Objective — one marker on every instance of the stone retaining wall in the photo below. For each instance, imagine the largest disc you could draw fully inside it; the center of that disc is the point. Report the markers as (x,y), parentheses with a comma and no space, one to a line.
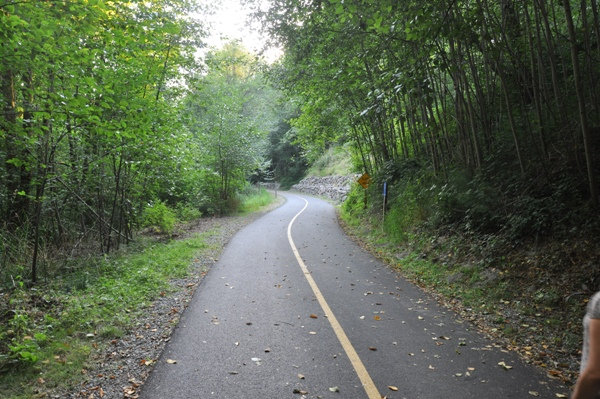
(332,187)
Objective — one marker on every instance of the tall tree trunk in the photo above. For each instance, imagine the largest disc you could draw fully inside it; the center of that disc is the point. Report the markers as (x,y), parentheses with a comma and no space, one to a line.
(511,121)
(585,131)
(534,85)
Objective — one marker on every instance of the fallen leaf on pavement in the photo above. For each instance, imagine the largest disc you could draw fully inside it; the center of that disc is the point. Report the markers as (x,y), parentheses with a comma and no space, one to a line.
(504,365)
(171,361)
(301,376)
(534,393)
(314,316)
(372,348)
(392,388)
(147,362)
(334,389)
(377,317)
(300,391)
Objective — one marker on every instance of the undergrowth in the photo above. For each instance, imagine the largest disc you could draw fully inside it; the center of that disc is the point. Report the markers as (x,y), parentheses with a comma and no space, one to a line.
(252,199)
(515,256)
(335,161)
(48,332)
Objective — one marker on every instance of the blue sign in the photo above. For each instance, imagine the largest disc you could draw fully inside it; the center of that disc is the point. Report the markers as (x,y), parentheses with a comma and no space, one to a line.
(385,189)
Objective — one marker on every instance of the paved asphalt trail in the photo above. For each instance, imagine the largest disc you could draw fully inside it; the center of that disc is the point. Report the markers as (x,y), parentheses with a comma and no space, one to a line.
(248,332)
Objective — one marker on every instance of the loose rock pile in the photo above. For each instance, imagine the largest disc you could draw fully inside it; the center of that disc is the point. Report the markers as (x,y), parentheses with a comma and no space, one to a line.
(332,187)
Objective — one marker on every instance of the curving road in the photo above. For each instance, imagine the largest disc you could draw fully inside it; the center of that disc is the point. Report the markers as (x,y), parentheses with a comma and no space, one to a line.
(296,309)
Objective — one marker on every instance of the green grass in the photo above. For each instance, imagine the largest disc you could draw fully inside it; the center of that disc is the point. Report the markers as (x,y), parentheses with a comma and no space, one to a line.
(254,200)
(48,333)
(53,329)
(335,161)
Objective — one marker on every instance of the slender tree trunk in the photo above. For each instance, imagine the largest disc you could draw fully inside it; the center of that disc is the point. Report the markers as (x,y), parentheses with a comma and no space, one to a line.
(534,85)
(585,131)
(513,128)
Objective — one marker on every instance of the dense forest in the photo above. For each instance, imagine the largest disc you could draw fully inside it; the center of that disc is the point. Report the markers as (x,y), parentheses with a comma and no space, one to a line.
(109,119)
(483,118)
(505,93)
(112,121)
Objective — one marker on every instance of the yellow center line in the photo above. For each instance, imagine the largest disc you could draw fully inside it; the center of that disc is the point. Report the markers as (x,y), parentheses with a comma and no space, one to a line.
(358,365)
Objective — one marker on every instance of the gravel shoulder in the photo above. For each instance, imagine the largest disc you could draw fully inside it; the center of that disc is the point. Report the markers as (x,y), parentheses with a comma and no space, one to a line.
(119,368)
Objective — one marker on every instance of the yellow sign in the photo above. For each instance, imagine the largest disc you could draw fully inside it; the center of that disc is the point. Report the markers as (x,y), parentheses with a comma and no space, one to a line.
(364,180)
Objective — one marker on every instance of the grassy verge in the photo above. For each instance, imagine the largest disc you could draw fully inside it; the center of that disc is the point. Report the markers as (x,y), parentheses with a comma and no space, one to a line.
(254,199)
(48,333)
(517,304)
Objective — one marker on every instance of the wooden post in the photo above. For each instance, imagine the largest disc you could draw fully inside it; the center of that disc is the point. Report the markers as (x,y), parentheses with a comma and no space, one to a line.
(384,204)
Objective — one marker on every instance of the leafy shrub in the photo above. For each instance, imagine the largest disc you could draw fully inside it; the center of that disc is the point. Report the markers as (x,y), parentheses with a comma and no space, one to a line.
(26,351)
(404,214)
(398,171)
(228,206)
(159,217)
(354,205)
(286,182)
(185,212)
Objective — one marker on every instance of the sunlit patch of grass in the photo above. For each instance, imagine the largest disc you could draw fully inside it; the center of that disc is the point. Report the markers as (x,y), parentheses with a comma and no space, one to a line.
(255,200)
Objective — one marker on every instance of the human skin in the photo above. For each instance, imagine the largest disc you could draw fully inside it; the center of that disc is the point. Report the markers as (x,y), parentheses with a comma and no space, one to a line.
(588,383)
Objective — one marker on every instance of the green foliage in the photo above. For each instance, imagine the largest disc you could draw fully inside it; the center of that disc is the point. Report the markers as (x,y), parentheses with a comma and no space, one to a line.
(251,200)
(14,247)
(58,324)
(85,144)
(230,112)
(26,351)
(477,98)
(355,204)
(484,205)
(335,161)
(160,217)
(186,212)
(287,161)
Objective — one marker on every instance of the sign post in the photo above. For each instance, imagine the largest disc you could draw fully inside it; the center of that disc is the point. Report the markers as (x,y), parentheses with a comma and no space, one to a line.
(384,202)
(364,181)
